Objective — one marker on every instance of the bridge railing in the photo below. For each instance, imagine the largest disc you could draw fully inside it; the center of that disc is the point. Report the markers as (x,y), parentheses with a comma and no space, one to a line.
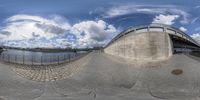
(152,28)
(39,60)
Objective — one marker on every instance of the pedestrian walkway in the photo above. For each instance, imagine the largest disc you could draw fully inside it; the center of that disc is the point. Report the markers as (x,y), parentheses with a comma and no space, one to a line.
(99,76)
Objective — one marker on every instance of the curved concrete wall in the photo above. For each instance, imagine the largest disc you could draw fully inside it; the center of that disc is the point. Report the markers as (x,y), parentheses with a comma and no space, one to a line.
(142,46)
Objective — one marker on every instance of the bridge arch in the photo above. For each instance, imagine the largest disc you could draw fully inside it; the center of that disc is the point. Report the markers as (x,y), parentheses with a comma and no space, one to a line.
(151,42)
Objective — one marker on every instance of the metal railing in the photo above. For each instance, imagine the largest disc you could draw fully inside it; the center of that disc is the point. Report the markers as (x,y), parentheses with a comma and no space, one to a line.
(39,60)
(148,27)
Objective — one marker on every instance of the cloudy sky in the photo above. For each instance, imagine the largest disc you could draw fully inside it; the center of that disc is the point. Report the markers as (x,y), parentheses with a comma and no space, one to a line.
(88,23)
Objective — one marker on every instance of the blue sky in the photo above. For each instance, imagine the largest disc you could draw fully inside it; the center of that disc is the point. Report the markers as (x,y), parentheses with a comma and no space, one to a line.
(88,23)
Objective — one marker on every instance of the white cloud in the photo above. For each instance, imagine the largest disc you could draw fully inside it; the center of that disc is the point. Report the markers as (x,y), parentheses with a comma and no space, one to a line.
(128,9)
(183,29)
(196,37)
(37,31)
(194,20)
(23,26)
(92,32)
(120,10)
(165,19)
(196,7)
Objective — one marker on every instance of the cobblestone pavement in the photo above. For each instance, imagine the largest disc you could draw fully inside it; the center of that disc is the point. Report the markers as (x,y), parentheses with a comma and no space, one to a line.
(99,76)
(51,72)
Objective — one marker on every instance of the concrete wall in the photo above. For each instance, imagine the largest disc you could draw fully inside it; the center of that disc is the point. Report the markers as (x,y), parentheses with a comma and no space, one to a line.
(142,46)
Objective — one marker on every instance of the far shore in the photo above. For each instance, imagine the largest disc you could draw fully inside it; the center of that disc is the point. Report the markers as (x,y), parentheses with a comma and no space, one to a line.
(53,49)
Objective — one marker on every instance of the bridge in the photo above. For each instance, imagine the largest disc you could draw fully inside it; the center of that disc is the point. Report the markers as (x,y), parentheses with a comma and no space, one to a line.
(151,42)
(109,75)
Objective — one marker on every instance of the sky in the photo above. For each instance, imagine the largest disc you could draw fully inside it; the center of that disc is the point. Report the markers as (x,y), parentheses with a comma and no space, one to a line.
(88,23)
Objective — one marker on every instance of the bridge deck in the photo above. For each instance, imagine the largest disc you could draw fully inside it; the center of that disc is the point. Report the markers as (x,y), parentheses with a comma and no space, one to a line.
(106,77)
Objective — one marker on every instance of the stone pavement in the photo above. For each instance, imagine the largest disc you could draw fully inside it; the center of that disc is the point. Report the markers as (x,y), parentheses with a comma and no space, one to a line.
(99,76)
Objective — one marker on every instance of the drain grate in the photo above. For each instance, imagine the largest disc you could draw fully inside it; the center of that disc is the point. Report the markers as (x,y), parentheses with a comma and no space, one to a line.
(177,72)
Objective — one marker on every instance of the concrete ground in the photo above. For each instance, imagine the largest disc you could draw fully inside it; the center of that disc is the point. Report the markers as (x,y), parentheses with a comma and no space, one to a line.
(99,76)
